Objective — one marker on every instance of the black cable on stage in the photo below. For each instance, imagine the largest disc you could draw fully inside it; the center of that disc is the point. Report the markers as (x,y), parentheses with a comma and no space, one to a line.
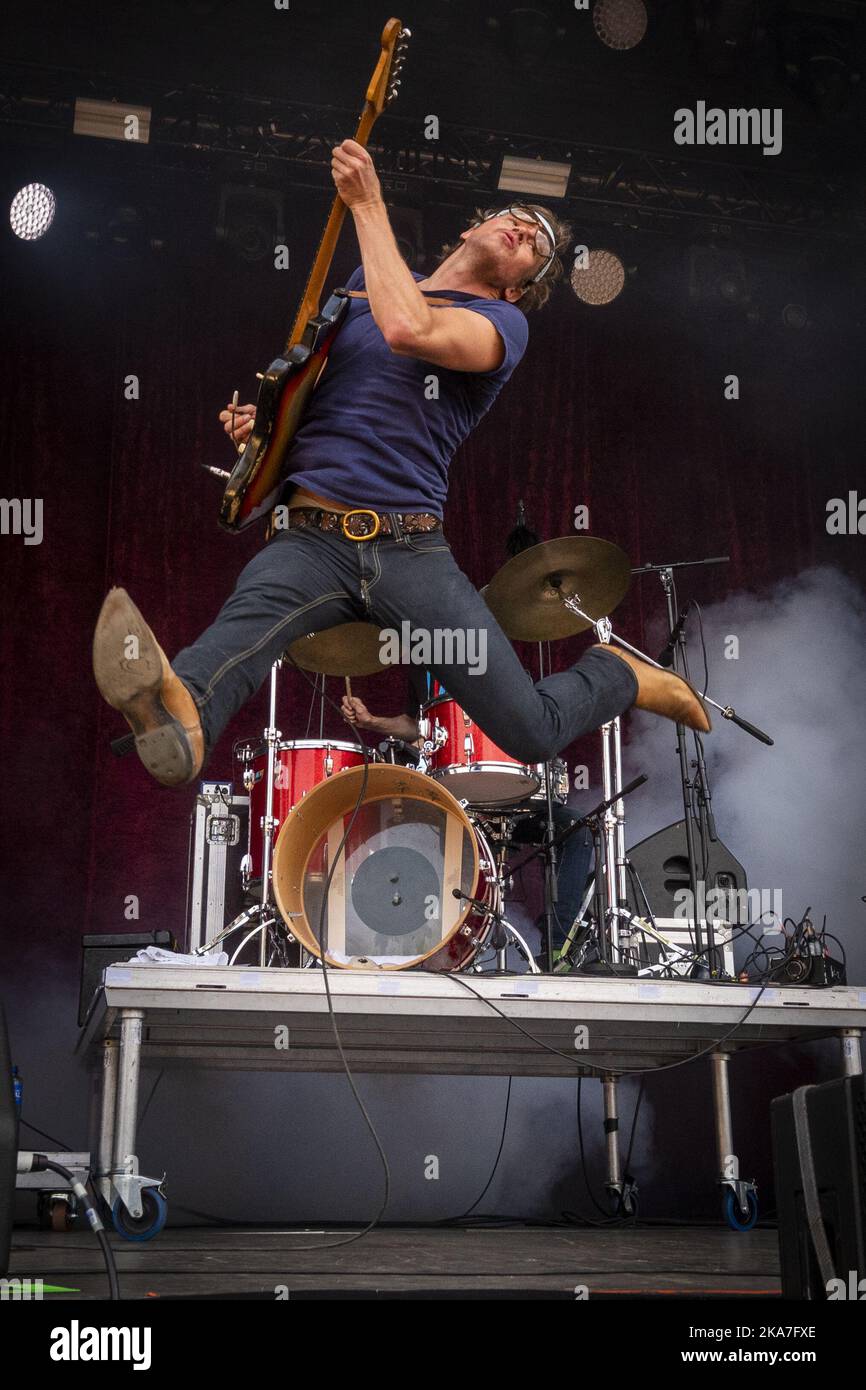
(612,1071)
(637,1106)
(448,1219)
(40,1163)
(61,1147)
(592,1197)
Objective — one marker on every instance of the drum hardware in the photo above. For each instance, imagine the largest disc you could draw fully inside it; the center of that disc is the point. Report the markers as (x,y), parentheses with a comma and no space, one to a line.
(603,931)
(268,923)
(503,935)
(391,747)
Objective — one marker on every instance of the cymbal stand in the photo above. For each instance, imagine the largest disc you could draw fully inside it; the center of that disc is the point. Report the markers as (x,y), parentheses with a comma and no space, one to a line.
(551,877)
(615,887)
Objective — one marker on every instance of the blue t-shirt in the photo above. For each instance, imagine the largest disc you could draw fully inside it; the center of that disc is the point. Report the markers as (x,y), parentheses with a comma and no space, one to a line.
(370,436)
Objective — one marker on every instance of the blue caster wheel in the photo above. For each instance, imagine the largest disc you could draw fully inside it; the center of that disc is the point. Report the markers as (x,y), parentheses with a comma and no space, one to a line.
(732,1214)
(146,1226)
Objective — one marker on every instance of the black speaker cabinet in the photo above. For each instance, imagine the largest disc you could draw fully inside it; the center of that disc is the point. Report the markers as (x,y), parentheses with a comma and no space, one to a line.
(8,1146)
(836,1113)
(662,865)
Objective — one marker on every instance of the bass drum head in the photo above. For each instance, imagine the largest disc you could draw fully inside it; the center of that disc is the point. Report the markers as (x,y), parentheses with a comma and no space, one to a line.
(390,904)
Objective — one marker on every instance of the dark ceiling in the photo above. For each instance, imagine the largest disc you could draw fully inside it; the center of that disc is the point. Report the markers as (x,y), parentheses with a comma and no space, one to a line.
(536,67)
(531,78)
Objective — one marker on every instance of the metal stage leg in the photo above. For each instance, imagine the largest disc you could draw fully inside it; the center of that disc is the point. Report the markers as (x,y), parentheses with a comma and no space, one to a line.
(102,1149)
(611,1134)
(741,1208)
(125,1163)
(722,1111)
(852,1060)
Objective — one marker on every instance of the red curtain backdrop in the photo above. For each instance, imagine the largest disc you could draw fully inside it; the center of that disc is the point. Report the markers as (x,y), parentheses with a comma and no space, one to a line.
(620,409)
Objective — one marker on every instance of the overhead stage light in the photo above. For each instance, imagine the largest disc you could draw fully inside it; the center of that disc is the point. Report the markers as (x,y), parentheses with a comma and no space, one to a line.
(620,24)
(32,211)
(112,120)
(543,177)
(601,279)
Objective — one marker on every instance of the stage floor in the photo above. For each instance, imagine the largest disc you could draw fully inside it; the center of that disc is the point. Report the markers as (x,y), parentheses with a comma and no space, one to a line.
(668,1262)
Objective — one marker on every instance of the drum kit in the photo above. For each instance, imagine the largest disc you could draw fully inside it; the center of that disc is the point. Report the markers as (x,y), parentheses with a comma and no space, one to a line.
(397,857)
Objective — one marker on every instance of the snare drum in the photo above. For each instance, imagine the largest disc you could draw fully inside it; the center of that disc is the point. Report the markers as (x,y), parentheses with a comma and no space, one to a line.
(470,764)
(301,764)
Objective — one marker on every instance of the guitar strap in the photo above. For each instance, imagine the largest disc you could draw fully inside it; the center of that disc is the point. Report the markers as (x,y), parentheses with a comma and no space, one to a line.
(361,294)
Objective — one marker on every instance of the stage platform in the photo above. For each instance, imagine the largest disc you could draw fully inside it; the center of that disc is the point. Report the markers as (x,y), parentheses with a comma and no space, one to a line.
(668,1263)
(463,1024)
(415,1022)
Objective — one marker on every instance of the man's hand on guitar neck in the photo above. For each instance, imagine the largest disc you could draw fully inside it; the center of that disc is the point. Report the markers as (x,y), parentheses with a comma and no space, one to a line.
(238,422)
(354,174)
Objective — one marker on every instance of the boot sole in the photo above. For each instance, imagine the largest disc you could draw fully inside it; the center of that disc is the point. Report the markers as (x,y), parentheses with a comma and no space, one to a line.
(133,685)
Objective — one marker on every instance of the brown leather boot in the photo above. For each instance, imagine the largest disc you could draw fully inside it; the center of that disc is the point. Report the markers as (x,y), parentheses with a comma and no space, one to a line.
(664,692)
(134,676)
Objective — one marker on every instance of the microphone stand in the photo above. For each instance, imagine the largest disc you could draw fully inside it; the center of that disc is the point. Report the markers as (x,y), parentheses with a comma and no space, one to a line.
(706,828)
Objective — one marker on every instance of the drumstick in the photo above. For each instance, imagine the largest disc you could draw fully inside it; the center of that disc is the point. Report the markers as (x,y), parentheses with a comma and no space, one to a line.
(235,398)
(348,686)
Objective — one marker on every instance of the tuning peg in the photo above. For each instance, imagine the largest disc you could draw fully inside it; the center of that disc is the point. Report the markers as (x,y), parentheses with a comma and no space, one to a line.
(405,34)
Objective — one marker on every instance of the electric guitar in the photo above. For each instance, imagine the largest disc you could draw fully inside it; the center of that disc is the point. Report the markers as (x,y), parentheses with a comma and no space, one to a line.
(286,386)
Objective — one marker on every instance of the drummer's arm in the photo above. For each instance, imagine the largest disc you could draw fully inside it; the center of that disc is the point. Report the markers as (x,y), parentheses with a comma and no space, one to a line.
(398,726)
(401,726)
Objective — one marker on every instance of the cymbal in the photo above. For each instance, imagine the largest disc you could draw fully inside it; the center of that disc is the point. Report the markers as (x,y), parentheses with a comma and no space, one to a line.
(524,595)
(349,649)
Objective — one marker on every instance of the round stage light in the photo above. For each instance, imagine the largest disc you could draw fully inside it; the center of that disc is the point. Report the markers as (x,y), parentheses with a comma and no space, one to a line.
(32,211)
(601,280)
(620,24)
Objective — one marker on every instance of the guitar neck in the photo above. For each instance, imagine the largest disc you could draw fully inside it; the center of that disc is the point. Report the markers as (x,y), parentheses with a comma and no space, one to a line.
(312,296)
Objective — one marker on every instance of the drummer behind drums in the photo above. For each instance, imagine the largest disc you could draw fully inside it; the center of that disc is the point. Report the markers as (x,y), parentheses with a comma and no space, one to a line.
(575,856)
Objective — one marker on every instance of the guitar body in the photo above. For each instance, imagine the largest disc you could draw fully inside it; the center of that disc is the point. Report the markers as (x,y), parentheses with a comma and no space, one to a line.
(285,390)
(287,385)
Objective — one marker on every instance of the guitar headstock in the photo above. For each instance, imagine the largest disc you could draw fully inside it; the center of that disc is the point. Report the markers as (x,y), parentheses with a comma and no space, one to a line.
(386,79)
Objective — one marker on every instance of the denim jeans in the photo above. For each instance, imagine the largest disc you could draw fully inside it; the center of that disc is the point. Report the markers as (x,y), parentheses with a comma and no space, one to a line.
(306,580)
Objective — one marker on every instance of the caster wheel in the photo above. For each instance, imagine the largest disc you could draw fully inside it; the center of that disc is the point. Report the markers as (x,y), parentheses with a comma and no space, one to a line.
(732,1214)
(61,1215)
(146,1226)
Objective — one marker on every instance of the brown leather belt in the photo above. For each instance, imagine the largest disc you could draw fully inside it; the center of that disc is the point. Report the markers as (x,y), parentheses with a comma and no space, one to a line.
(362,523)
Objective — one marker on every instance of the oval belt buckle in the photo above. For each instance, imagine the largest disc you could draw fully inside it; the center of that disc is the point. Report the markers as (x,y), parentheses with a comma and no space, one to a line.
(361,511)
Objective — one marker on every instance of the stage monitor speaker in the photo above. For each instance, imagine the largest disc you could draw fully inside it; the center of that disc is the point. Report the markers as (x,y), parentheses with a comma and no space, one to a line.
(8,1146)
(662,864)
(836,1112)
